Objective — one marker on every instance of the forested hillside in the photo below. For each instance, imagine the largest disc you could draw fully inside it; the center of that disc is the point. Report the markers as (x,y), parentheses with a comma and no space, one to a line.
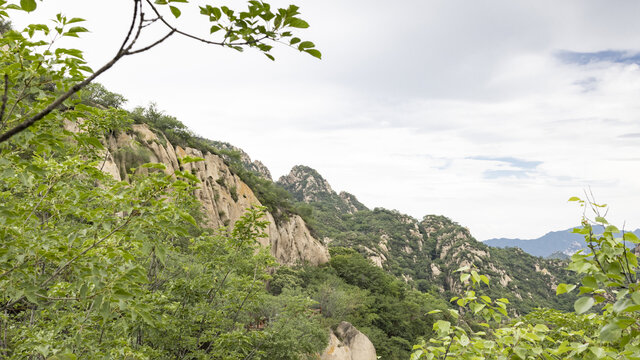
(425,253)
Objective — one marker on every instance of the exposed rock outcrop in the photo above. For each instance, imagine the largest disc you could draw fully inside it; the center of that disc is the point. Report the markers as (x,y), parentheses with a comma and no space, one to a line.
(224,196)
(347,343)
(352,202)
(305,184)
(254,166)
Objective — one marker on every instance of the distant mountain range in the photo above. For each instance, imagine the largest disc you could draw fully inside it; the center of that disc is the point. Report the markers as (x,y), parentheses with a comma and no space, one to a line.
(555,244)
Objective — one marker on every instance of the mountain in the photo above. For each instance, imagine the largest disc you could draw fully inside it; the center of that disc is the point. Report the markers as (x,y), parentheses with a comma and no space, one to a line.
(223,194)
(554,244)
(424,253)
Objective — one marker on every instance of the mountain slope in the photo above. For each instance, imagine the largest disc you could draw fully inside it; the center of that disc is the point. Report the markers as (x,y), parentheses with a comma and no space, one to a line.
(224,196)
(425,253)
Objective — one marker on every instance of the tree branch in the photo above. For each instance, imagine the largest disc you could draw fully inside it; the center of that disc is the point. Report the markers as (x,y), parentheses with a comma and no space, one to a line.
(4,97)
(194,37)
(77,87)
(152,45)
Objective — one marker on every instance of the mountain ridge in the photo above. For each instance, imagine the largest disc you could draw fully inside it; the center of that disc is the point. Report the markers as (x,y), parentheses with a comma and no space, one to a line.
(424,253)
(556,243)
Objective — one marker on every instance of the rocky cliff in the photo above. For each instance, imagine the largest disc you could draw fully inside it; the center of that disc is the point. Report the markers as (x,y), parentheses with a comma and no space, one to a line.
(223,195)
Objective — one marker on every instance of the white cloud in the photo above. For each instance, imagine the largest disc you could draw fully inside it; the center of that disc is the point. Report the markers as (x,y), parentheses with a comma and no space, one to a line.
(408,94)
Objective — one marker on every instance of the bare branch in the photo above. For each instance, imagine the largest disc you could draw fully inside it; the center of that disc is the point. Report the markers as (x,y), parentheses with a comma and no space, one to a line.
(152,45)
(136,5)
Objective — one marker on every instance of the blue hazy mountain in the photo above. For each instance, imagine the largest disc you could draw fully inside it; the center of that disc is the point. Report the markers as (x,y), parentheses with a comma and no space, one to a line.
(556,243)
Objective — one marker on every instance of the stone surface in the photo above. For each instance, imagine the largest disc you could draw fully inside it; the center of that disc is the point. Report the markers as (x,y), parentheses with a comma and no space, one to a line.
(224,196)
(348,343)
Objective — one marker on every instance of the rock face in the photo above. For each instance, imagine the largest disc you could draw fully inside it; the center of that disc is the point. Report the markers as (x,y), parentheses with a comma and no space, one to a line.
(348,344)
(305,184)
(255,166)
(223,195)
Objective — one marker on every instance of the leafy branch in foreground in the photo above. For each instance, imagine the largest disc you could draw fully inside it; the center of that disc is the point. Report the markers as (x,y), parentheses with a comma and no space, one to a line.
(605,324)
(253,28)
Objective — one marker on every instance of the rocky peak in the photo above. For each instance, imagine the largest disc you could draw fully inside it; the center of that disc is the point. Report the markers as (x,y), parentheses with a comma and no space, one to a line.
(306,184)
(352,202)
(254,166)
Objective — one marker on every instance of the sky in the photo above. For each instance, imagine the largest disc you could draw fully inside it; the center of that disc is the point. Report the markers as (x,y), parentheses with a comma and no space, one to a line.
(492,113)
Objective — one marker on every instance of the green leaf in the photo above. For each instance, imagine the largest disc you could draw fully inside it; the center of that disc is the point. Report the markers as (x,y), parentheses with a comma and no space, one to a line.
(28,5)
(574,198)
(598,352)
(189,159)
(629,236)
(601,220)
(122,294)
(187,217)
(442,327)
(484,278)
(590,281)
(464,340)
(159,166)
(75,20)
(298,23)
(305,45)
(175,11)
(77,29)
(270,56)
(317,54)
(610,332)
(564,288)
(583,304)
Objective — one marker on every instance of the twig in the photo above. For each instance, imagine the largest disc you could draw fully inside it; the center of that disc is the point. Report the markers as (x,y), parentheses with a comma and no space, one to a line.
(40,201)
(4,97)
(173,28)
(152,45)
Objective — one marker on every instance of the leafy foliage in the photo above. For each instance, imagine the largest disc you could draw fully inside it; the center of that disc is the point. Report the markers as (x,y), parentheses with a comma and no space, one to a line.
(69,72)
(350,288)
(425,253)
(91,267)
(603,326)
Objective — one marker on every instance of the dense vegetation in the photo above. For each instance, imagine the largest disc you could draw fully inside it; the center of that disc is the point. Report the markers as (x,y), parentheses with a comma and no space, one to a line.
(350,288)
(426,253)
(96,268)
(605,323)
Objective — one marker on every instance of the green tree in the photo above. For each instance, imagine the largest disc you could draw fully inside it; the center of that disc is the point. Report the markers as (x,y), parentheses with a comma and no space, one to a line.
(91,267)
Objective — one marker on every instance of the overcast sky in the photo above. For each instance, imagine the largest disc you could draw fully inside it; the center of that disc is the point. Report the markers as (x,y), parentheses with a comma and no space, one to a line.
(492,113)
